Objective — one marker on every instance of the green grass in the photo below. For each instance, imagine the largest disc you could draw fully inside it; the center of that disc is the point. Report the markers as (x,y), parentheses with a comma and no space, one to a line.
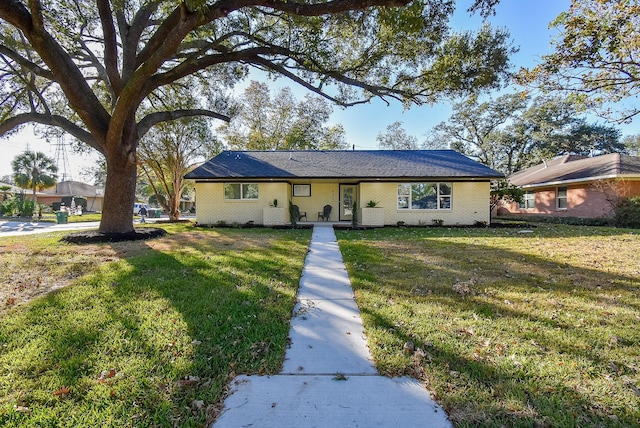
(511,329)
(152,333)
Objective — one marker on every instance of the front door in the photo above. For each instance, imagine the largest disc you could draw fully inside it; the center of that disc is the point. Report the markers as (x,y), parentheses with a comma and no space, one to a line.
(347,198)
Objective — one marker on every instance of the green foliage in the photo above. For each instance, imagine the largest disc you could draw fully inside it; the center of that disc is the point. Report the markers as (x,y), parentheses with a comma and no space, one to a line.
(594,57)
(515,131)
(9,206)
(282,122)
(546,219)
(34,171)
(632,144)
(169,151)
(372,204)
(25,207)
(354,215)
(503,191)
(627,213)
(396,138)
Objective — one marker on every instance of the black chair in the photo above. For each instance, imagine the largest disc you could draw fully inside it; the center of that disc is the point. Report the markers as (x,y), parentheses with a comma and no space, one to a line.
(299,214)
(325,214)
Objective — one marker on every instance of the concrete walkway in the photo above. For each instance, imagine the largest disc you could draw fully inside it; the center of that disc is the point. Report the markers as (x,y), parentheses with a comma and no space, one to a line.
(328,378)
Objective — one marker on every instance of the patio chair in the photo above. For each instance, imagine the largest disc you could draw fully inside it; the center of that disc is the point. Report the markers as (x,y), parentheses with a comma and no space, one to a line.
(299,214)
(325,214)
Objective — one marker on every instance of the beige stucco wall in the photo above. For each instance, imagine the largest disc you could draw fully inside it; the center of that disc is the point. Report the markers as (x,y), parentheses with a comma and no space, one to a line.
(470,203)
(213,208)
(321,194)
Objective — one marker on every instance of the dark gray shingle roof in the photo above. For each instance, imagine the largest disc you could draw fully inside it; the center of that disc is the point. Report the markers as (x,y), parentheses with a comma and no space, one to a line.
(385,164)
(578,168)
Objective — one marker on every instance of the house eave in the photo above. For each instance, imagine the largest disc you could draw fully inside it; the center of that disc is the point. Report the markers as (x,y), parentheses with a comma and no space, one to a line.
(580,180)
(341,179)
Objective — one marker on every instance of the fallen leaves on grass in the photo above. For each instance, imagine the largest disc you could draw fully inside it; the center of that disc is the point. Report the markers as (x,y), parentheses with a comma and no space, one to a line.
(62,392)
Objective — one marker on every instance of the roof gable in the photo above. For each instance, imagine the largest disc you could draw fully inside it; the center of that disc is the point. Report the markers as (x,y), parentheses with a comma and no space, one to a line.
(362,164)
(74,188)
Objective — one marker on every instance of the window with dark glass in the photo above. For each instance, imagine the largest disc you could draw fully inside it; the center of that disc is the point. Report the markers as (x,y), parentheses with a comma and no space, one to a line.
(241,191)
(424,196)
(561,198)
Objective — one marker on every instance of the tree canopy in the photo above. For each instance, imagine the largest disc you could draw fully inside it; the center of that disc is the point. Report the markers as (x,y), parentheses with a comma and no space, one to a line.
(515,131)
(397,138)
(169,151)
(102,70)
(595,57)
(281,122)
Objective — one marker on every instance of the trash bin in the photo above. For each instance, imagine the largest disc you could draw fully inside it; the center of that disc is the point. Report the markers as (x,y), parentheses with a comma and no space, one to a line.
(63,217)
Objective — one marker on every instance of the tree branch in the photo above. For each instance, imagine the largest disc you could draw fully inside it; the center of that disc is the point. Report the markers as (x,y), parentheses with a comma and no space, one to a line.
(25,63)
(51,120)
(164,116)
(314,9)
(110,46)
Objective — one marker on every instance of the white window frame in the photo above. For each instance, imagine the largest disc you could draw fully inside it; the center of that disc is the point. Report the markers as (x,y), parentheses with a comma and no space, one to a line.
(562,198)
(528,200)
(243,191)
(408,191)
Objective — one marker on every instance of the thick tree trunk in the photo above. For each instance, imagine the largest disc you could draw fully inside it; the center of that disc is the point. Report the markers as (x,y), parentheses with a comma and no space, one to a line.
(119,193)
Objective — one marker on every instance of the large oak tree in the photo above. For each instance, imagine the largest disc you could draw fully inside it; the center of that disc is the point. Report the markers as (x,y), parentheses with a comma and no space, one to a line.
(100,69)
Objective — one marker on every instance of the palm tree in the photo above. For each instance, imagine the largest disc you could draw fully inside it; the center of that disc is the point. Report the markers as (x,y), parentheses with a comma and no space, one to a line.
(35,171)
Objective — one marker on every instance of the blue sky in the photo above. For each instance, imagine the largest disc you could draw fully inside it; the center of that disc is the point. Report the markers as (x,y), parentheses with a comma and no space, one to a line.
(526,20)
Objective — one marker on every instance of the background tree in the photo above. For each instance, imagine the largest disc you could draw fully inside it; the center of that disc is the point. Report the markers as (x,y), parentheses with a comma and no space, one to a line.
(595,57)
(396,138)
(474,129)
(96,174)
(34,171)
(632,144)
(281,122)
(514,132)
(168,152)
(99,70)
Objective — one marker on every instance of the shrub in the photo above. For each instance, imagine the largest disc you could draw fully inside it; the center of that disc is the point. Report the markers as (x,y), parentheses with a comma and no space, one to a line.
(354,216)
(627,213)
(25,207)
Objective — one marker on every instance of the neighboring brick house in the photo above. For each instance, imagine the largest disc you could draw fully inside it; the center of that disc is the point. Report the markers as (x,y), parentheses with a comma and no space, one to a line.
(410,186)
(576,186)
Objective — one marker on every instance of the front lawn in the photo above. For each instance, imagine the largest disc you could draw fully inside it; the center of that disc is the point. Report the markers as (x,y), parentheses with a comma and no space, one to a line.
(144,333)
(507,327)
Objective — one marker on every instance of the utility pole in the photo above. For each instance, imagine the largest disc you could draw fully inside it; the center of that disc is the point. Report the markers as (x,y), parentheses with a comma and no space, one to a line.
(62,160)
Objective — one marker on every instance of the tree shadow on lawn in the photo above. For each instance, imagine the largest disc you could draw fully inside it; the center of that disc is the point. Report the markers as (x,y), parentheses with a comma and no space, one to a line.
(512,337)
(153,339)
